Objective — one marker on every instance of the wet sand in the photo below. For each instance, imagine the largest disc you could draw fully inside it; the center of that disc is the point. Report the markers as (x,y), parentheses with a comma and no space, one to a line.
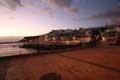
(81,64)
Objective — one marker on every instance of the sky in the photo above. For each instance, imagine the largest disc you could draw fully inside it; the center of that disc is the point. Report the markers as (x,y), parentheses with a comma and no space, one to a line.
(36,17)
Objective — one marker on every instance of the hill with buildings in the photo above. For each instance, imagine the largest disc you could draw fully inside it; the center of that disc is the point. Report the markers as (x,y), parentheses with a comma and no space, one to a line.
(108,34)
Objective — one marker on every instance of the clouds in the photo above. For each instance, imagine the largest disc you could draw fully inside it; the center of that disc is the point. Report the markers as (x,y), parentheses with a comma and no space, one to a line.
(66,5)
(34,6)
(11,4)
(107,14)
(70,10)
(61,3)
(112,15)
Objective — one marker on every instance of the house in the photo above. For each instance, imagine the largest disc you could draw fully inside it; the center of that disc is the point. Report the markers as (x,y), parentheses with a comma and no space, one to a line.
(60,37)
(69,36)
(111,33)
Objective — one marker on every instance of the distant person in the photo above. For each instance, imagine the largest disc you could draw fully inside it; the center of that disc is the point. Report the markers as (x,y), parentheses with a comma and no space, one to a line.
(93,41)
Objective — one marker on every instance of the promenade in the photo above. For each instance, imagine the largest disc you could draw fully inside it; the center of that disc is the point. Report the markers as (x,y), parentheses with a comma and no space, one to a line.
(81,64)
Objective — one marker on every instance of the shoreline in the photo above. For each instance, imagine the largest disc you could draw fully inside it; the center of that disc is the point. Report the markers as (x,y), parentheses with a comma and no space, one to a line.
(45,52)
(42,52)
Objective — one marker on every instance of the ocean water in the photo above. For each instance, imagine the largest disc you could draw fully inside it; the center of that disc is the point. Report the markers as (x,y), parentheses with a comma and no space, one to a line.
(14,49)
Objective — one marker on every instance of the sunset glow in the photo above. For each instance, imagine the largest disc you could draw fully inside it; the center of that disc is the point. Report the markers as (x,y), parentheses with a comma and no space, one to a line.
(35,17)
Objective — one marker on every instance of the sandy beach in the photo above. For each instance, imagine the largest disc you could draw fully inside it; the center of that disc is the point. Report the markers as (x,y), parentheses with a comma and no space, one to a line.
(80,64)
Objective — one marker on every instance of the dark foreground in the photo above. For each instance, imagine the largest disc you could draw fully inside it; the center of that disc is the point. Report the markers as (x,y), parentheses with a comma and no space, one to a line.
(82,64)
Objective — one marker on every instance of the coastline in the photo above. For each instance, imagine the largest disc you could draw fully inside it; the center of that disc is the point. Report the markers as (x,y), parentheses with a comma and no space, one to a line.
(45,52)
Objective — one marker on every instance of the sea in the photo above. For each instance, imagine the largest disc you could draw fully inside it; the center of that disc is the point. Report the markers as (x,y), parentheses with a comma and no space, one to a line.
(12,49)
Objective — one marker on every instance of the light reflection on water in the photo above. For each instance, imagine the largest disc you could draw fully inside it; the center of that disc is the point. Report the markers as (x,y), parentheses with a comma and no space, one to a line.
(14,49)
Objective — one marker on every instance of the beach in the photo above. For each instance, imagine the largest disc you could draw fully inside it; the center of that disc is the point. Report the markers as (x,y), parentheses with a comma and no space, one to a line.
(13,49)
(78,64)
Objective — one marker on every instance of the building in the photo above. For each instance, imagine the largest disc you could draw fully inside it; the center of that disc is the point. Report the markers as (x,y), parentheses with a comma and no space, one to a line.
(105,34)
(111,33)
(60,37)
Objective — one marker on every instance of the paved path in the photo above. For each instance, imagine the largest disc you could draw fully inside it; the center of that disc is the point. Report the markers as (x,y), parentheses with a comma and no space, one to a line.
(86,64)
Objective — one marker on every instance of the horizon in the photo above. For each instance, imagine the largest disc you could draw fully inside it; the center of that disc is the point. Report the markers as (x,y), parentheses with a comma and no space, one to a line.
(30,18)
(10,39)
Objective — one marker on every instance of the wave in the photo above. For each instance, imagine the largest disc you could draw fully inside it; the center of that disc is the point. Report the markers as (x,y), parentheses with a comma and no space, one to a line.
(14,49)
